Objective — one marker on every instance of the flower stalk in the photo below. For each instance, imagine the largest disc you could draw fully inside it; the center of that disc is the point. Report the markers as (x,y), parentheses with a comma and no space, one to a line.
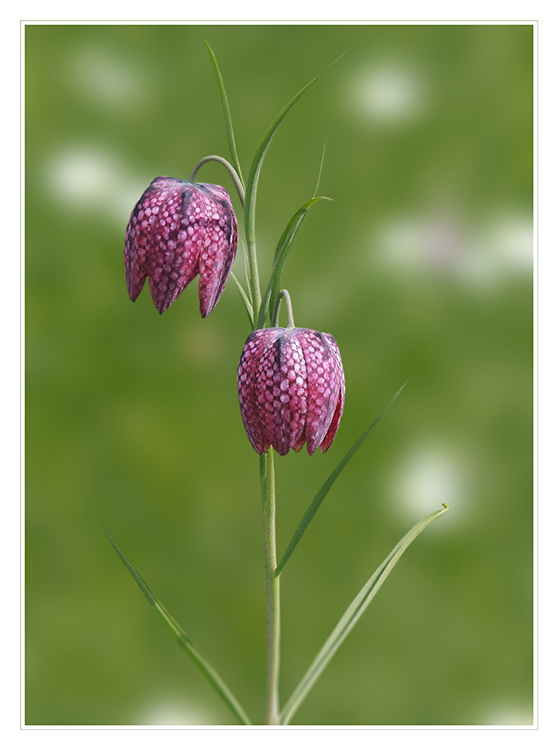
(290,320)
(229,167)
(267,478)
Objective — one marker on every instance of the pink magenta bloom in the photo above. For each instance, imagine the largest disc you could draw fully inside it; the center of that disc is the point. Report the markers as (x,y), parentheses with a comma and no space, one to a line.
(291,389)
(176,231)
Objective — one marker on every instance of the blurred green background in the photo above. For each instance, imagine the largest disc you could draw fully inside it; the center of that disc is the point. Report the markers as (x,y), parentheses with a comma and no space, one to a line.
(422,270)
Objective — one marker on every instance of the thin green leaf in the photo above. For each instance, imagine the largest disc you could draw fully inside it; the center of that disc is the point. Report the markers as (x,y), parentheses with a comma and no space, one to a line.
(351,617)
(245,299)
(320,172)
(183,641)
(271,297)
(247,271)
(257,161)
(227,113)
(280,258)
(326,486)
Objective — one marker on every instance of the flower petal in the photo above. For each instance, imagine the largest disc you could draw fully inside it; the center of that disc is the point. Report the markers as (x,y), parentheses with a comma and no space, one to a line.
(218,246)
(283,370)
(323,384)
(248,392)
(301,440)
(332,431)
(137,250)
(178,227)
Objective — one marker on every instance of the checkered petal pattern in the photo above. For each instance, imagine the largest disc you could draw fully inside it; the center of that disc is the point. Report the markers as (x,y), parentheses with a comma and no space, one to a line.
(176,231)
(291,389)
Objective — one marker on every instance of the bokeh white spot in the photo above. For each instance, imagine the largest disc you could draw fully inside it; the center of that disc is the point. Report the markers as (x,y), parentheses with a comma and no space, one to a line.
(427,476)
(92,178)
(481,254)
(106,78)
(511,713)
(170,712)
(388,92)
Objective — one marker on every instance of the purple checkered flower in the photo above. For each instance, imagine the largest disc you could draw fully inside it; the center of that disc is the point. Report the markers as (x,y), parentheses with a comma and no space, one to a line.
(291,388)
(176,231)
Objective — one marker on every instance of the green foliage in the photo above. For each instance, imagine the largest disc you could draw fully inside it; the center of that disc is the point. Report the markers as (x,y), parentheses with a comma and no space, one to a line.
(351,617)
(227,114)
(271,295)
(183,640)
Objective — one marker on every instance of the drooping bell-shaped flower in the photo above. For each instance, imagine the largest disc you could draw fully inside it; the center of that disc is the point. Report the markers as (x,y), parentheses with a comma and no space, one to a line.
(176,231)
(291,388)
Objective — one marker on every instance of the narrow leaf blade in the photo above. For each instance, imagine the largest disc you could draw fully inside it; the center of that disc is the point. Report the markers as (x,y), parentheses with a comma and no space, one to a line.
(280,258)
(245,299)
(227,113)
(183,640)
(320,172)
(257,161)
(352,616)
(326,486)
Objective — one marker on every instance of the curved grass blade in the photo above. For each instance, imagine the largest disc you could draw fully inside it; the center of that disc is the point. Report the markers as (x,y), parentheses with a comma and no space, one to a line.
(245,299)
(257,161)
(282,251)
(326,486)
(270,300)
(351,617)
(320,172)
(227,113)
(252,186)
(183,641)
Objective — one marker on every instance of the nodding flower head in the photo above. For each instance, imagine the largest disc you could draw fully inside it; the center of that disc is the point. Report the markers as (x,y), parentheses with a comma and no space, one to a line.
(176,231)
(291,388)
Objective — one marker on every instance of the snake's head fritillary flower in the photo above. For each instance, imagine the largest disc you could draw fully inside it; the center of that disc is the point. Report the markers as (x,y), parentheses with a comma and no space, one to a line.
(176,231)
(291,388)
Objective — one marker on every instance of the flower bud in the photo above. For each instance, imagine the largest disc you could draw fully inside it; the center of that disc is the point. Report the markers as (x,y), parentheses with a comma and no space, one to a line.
(291,389)
(176,231)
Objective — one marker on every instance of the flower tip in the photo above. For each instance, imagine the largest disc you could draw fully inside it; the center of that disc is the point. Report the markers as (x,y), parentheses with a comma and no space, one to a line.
(160,303)
(205,309)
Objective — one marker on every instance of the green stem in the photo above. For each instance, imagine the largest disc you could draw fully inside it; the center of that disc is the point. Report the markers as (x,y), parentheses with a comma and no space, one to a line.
(230,169)
(267,479)
(254,278)
(283,294)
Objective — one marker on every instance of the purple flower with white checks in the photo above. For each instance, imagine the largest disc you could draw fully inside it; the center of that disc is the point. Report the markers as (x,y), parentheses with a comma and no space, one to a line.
(291,388)
(176,231)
